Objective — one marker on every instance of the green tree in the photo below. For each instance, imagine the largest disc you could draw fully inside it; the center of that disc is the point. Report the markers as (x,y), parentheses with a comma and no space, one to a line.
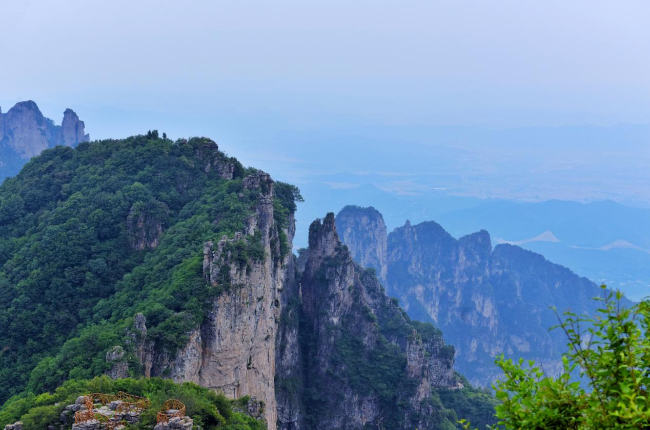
(610,352)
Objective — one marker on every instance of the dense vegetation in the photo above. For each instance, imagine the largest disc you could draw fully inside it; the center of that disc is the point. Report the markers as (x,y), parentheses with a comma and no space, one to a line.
(204,406)
(476,405)
(610,352)
(71,279)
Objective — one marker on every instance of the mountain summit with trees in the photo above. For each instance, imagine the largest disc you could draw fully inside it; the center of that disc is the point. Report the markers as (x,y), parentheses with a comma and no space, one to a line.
(146,257)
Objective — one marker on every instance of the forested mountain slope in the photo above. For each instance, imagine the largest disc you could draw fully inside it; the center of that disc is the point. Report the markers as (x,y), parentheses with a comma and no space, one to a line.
(147,257)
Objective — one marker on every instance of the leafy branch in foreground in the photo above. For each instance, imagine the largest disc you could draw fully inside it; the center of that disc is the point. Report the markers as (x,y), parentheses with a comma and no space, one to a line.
(611,354)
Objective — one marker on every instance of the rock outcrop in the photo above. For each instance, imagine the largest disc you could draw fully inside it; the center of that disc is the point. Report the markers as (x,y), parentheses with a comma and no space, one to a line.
(348,357)
(25,133)
(145,224)
(25,130)
(322,348)
(72,129)
(485,301)
(364,232)
(119,366)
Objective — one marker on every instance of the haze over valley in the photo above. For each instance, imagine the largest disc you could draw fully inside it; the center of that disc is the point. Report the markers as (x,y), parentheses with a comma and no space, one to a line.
(324,215)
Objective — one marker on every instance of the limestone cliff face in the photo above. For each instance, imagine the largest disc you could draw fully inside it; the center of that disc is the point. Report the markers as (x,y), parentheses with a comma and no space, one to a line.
(72,129)
(364,232)
(233,351)
(145,224)
(321,348)
(26,132)
(485,301)
(331,339)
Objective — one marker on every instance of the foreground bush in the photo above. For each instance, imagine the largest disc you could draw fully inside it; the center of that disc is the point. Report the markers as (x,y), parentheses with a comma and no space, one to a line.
(605,378)
(208,409)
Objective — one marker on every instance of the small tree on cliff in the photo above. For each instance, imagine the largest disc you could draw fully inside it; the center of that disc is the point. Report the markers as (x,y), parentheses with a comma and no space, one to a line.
(610,351)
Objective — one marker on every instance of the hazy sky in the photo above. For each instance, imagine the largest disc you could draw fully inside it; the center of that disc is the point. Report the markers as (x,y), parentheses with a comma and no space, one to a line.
(304,63)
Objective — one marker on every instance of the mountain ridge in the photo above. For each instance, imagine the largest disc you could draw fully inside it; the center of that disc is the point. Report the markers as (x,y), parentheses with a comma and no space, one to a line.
(25,132)
(148,257)
(486,300)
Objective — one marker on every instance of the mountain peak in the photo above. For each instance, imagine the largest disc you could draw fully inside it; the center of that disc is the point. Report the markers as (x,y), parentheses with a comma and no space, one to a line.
(363,230)
(25,132)
(323,237)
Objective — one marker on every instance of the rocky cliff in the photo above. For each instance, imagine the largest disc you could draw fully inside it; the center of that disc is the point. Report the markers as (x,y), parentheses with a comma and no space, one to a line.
(486,301)
(323,348)
(170,259)
(25,132)
(233,350)
(348,356)
(364,231)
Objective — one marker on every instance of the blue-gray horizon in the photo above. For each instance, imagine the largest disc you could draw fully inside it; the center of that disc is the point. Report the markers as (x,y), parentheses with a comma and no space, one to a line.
(297,64)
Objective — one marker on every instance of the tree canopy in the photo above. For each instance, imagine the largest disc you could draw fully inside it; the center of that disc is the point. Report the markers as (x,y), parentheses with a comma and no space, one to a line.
(604,381)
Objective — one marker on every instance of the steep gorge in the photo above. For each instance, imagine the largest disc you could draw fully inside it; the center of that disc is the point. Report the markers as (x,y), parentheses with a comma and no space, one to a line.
(176,262)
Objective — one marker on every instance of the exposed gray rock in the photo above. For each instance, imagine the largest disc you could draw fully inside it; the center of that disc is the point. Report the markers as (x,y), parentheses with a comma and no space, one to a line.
(225,168)
(145,224)
(140,323)
(176,423)
(338,305)
(253,408)
(72,129)
(364,232)
(119,368)
(233,351)
(26,132)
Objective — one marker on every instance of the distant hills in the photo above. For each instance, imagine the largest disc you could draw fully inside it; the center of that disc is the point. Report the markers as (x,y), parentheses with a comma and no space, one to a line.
(604,241)
(25,132)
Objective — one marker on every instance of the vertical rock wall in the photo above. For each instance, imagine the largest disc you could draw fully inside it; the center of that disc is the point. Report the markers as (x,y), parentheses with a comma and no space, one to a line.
(364,232)
(26,132)
(233,351)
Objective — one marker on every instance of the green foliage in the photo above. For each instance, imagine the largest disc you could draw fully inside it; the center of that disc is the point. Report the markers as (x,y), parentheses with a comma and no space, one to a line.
(71,279)
(382,371)
(473,404)
(288,195)
(284,204)
(610,352)
(208,409)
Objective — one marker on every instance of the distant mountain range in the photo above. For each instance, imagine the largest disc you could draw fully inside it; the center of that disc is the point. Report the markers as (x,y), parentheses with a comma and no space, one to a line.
(605,241)
(487,301)
(25,132)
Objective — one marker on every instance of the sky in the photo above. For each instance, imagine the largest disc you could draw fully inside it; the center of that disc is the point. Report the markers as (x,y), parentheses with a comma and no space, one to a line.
(295,63)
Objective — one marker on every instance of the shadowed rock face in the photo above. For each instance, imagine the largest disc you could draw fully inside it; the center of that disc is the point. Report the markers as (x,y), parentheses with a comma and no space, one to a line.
(25,132)
(364,232)
(337,321)
(486,301)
